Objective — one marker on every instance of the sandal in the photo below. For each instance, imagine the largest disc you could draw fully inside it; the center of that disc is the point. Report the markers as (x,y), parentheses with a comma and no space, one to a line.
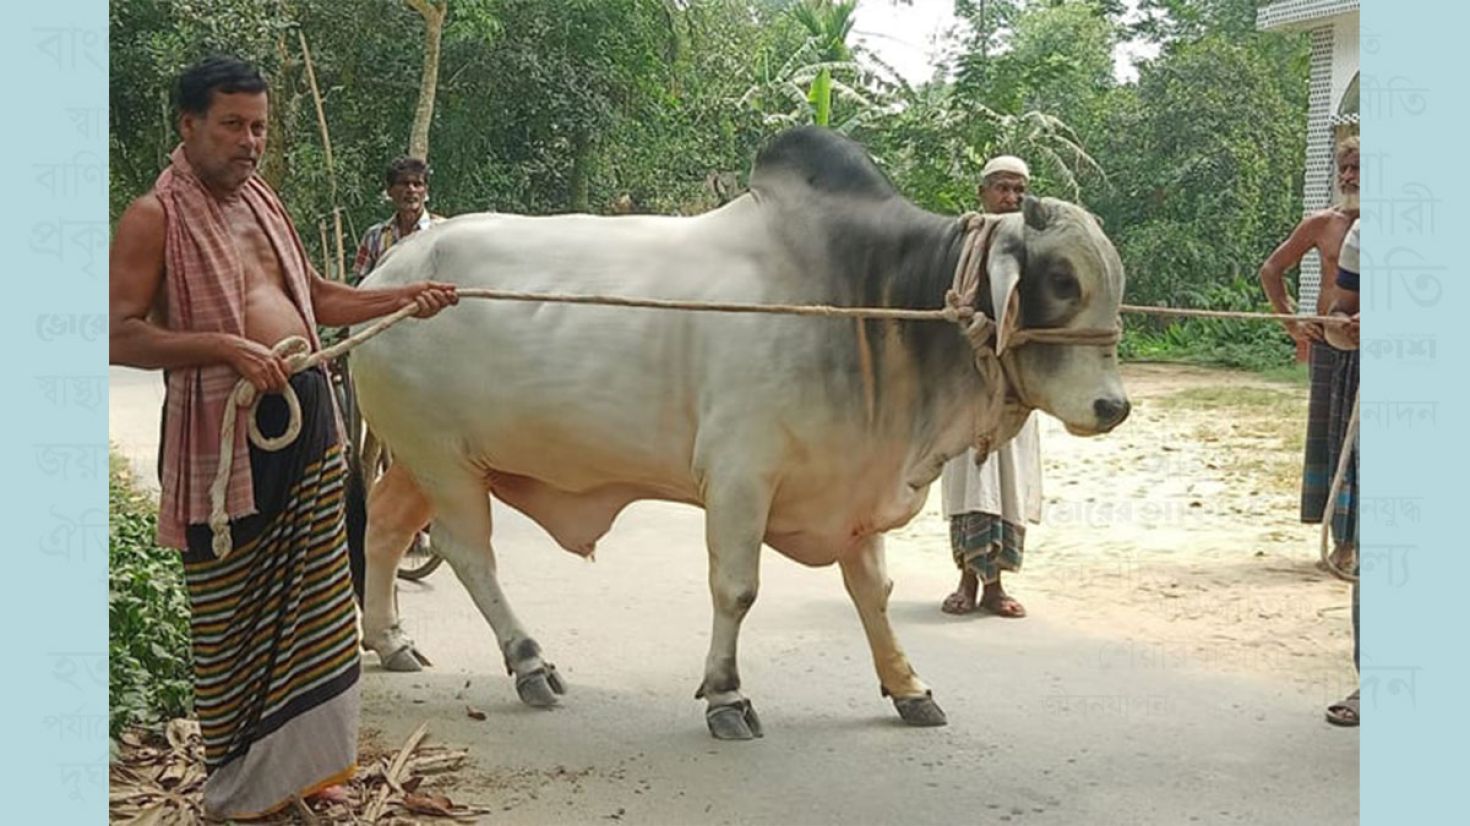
(1345,712)
(959,603)
(1003,606)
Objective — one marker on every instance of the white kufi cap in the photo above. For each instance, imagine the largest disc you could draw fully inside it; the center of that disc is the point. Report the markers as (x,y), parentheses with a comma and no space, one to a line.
(1006,163)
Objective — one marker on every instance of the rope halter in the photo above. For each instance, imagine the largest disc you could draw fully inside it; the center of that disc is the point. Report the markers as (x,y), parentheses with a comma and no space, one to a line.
(962,306)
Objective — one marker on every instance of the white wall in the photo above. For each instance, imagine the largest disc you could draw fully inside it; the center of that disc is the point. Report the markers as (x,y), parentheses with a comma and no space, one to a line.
(1345,58)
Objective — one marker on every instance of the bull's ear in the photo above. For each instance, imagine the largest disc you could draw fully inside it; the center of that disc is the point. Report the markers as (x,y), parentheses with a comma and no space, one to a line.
(1037,213)
(1004,272)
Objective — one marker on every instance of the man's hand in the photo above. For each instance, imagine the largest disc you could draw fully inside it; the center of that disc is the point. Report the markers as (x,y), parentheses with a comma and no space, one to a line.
(256,363)
(431,297)
(1344,336)
(1305,332)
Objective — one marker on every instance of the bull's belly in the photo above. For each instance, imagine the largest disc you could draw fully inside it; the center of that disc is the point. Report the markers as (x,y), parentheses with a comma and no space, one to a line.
(811,532)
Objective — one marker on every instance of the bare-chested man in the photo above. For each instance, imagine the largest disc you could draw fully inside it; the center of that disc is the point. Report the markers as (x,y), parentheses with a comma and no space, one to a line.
(207,277)
(1323,231)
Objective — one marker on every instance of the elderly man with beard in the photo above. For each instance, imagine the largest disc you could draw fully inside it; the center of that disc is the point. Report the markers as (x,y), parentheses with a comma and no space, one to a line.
(988,504)
(1330,396)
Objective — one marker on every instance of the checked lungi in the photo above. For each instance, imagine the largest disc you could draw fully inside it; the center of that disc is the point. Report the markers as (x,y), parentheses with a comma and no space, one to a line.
(1334,387)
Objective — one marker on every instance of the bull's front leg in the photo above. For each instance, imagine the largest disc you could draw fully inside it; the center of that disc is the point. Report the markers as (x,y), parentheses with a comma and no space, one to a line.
(865,575)
(462,530)
(734,527)
(396,510)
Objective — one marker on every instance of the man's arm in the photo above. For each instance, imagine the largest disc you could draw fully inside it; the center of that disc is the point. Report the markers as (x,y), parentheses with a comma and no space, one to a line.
(1289,254)
(135,265)
(338,305)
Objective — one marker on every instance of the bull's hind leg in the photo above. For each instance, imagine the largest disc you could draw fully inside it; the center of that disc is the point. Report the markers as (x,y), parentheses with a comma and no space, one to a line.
(462,537)
(734,524)
(396,510)
(864,574)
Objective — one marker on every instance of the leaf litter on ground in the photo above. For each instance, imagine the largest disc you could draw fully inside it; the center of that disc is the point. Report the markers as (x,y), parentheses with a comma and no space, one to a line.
(157,779)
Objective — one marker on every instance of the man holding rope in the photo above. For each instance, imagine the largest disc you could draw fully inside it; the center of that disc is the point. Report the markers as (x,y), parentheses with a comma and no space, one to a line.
(1329,405)
(1345,504)
(988,504)
(208,279)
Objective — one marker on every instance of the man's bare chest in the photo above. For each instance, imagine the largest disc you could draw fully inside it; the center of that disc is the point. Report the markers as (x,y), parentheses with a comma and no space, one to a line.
(262,266)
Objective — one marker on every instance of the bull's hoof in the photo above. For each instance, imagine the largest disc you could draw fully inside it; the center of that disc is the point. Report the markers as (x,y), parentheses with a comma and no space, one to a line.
(406,658)
(539,688)
(395,650)
(920,711)
(737,721)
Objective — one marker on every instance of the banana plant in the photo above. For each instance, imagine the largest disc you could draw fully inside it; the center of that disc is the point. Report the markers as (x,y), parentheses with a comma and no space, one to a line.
(828,26)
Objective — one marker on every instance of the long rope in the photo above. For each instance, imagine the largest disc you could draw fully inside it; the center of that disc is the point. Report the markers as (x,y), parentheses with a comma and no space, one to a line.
(1344,459)
(960,303)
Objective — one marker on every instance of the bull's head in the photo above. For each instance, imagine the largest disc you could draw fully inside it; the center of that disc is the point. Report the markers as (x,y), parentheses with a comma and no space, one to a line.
(1051,269)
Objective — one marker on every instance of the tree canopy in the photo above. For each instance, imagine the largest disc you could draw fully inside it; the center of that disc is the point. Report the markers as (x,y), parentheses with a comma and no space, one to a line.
(545,106)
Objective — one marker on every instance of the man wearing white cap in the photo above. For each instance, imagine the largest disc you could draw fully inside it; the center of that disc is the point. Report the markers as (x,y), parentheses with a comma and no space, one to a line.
(988,504)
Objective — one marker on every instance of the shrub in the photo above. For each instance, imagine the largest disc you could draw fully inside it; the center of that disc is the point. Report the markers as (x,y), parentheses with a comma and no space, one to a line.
(150,672)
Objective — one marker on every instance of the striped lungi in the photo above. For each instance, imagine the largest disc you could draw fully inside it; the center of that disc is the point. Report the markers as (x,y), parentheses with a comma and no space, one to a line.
(274,624)
(986,544)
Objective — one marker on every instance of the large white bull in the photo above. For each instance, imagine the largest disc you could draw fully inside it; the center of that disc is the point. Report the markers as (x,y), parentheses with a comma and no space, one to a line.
(812,436)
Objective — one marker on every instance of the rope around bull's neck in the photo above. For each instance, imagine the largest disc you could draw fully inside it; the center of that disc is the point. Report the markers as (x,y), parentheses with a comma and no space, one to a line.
(960,308)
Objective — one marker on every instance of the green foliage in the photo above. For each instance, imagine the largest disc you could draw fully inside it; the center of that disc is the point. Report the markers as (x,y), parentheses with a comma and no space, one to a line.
(546,107)
(150,676)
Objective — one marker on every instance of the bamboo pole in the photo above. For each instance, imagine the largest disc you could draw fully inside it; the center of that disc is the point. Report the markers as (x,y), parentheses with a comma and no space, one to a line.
(321,119)
(326,254)
(341,249)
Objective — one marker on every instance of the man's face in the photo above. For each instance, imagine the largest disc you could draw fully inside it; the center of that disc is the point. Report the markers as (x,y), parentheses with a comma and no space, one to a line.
(407,193)
(225,143)
(1347,179)
(1002,192)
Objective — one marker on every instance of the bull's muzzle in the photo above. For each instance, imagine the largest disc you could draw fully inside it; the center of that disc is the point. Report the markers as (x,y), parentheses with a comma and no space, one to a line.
(1110,412)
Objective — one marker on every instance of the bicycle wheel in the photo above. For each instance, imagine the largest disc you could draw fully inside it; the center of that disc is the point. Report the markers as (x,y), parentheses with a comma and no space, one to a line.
(420,561)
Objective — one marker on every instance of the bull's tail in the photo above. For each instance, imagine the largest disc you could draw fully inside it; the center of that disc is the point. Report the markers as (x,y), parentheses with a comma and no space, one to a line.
(356,493)
(357,527)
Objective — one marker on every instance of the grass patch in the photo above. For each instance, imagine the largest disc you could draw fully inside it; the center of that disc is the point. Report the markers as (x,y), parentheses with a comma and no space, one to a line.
(150,677)
(1254,401)
(1259,432)
(1294,374)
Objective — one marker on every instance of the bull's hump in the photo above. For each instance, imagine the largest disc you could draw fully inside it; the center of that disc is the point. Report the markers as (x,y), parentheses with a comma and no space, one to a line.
(820,161)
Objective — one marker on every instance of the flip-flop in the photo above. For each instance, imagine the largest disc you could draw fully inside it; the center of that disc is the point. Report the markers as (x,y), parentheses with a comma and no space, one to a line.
(1003,607)
(1344,712)
(331,794)
(958,604)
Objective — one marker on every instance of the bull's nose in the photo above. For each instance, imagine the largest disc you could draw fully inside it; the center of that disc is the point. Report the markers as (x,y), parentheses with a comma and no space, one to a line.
(1111,412)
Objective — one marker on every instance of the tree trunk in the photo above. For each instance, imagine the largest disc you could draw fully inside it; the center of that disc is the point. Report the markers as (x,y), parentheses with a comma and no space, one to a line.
(581,163)
(274,167)
(433,14)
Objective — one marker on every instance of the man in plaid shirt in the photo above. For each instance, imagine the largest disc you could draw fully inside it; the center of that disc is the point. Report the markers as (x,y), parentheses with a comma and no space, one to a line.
(408,189)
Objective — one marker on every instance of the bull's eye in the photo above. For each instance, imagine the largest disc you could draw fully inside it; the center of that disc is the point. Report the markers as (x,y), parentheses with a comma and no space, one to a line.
(1064,285)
